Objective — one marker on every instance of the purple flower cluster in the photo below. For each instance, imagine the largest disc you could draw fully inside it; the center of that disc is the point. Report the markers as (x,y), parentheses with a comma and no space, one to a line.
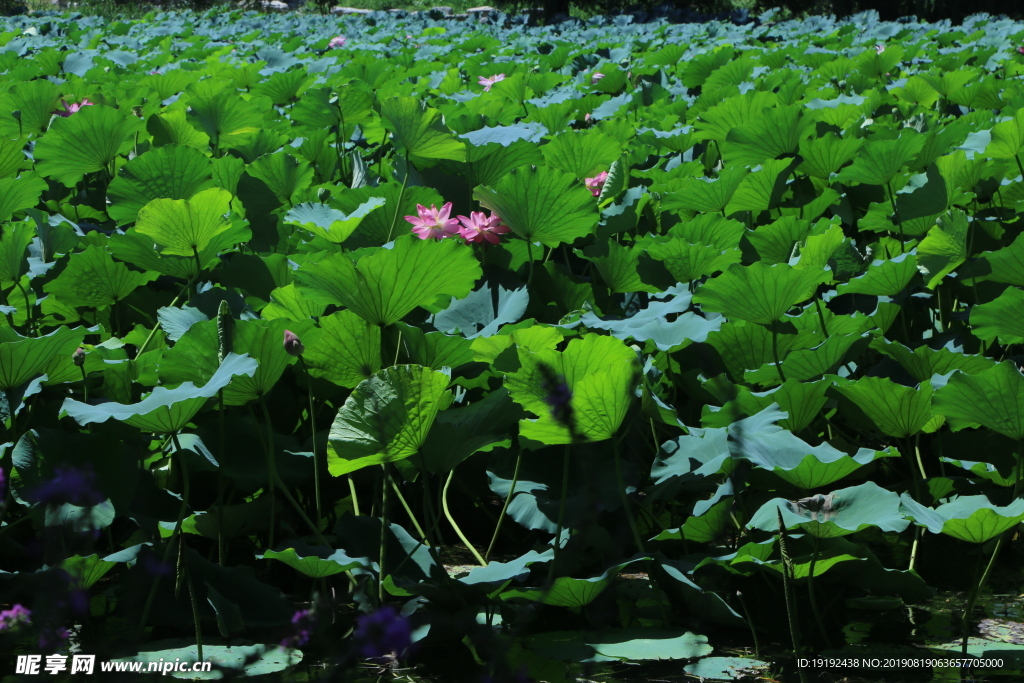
(69,485)
(303,622)
(9,618)
(383,633)
(3,485)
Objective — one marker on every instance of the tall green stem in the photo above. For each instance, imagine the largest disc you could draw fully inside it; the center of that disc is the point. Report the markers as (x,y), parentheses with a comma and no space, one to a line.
(316,458)
(401,196)
(383,532)
(271,470)
(529,255)
(451,520)
(561,514)
(775,353)
(787,578)
(504,507)
(814,597)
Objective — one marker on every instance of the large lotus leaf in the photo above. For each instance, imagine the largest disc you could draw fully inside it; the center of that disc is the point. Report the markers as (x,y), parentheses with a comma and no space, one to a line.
(763,188)
(433,349)
(569,592)
(923,363)
(173,128)
(630,644)
(688,262)
(286,176)
(944,248)
(580,153)
(801,401)
(86,571)
(502,572)
(716,122)
(1007,264)
(542,204)
(22,358)
(168,172)
(93,279)
(316,562)
(993,398)
(459,432)
(387,417)
(825,155)
(140,250)
(839,513)
(481,313)
(883,278)
(419,131)
(879,161)
(194,356)
(969,518)
(164,411)
(1007,138)
(183,226)
(35,102)
(600,373)
(347,350)
(709,195)
(651,323)
(227,119)
(794,460)
(388,284)
(709,520)
(380,227)
(619,266)
(1002,318)
(18,194)
(896,410)
(804,364)
(758,293)
(289,302)
(84,143)
(775,133)
(331,224)
(489,163)
(14,241)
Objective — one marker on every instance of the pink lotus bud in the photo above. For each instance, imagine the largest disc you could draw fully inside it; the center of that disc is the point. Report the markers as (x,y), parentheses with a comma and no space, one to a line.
(292,345)
(78,357)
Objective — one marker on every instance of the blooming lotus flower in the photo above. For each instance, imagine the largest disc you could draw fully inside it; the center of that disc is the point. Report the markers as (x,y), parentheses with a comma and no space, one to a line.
(1020,50)
(336,42)
(488,82)
(479,228)
(292,345)
(70,109)
(596,184)
(596,76)
(432,223)
(879,48)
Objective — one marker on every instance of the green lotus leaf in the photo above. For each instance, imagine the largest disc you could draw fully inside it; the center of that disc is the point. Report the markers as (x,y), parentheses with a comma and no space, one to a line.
(758,293)
(763,188)
(570,592)
(944,248)
(433,349)
(582,153)
(879,161)
(689,262)
(1007,138)
(286,177)
(86,570)
(331,224)
(1002,318)
(291,303)
(968,518)
(459,432)
(13,242)
(630,644)
(164,411)
(708,195)
(883,278)
(347,351)
(85,143)
(923,362)
(993,398)
(316,562)
(1007,264)
(542,204)
(483,312)
(801,401)
(709,520)
(173,128)
(826,155)
(386,285)
(184,226)
(387,417)
(93,279)
(420,132)
(380,227)
(600,372)
(23,358)
(168,172)
(651,324)
(34,101)
(718,121)
(18,194)
(227,119)
(619,266)
(896,410)
(775,133)
(840,513)
(140,250)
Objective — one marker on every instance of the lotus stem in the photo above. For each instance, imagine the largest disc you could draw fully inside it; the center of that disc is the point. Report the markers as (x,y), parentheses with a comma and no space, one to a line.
(775,353)
(451,520)
(814,598)
(271,470)
(316,458)
(405,506)
(787,568)
(973,597)
(561,514)
(298,508)
(401,195)
(896,215)
(352,492)
(529,255)
(383,532)
(195,612)
(821,317)
(504,507)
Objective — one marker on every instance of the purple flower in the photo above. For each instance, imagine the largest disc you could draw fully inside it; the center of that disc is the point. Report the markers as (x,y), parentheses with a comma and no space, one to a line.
(292,345)
(383,633)
(3,485)
(69,485)
(9,618)
(53,638)
(303,622)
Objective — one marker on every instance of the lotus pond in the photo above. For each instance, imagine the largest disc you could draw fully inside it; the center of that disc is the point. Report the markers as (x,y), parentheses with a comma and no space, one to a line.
(418,348)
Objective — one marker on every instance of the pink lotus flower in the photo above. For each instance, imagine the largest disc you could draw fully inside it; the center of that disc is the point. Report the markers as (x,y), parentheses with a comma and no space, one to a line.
(70,109)
(1020,50)
(432,223)
(596,184)
(596,76)
(879,48)
(478,228)
(488,82)
(336,42)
